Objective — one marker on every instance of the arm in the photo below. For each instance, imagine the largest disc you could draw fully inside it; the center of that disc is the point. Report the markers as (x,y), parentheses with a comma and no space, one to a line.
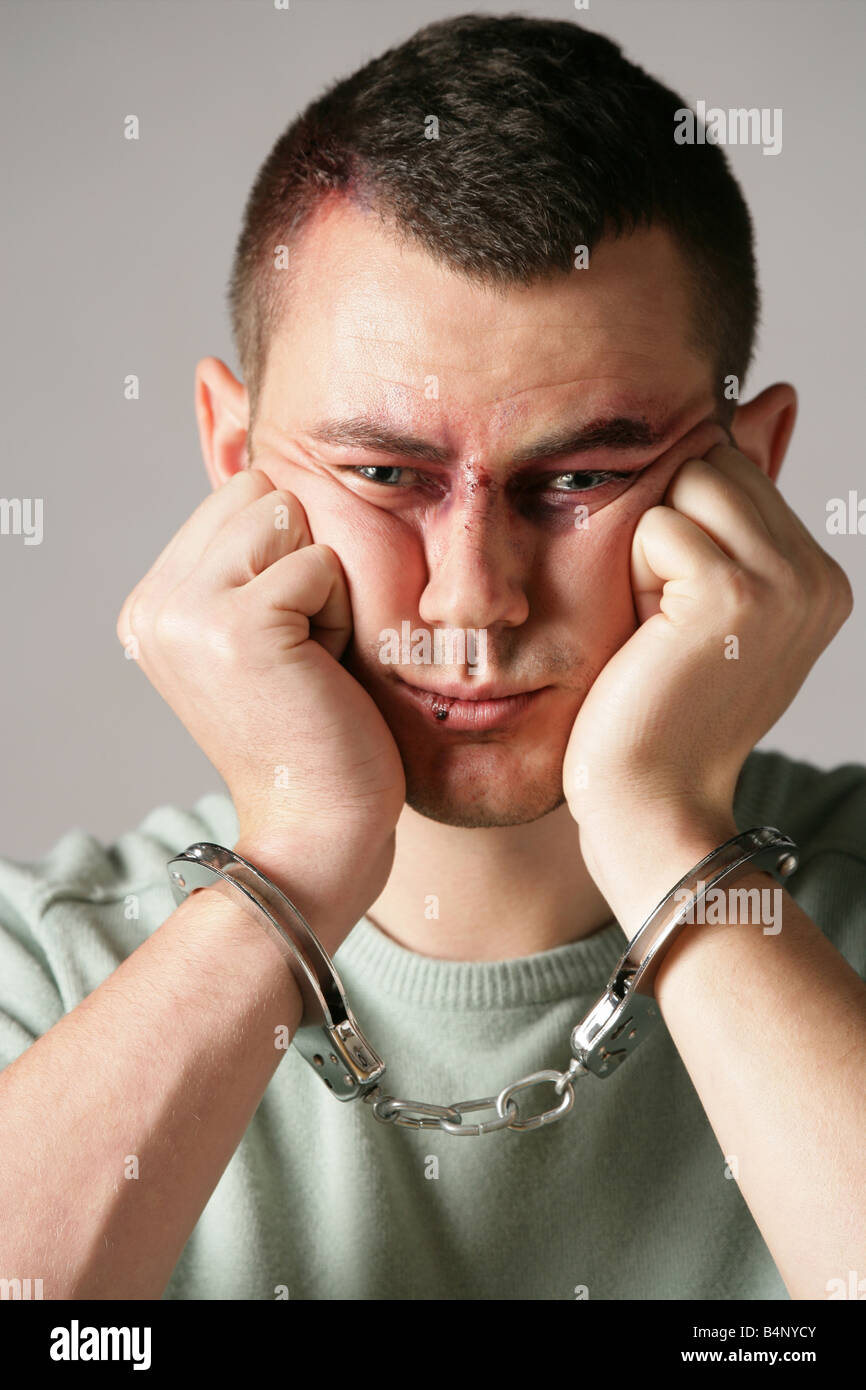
(772,1030)
(166,1061)
(240,624)
(735,601)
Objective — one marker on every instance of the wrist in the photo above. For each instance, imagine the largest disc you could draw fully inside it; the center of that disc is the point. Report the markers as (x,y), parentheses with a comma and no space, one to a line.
(636,857)
(330,885)
(238,957)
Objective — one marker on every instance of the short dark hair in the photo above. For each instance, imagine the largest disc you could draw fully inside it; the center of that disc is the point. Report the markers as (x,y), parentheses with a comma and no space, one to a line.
(548,139)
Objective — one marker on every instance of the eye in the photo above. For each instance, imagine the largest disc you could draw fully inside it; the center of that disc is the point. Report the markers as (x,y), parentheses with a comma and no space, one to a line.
(582,482)
(373,473)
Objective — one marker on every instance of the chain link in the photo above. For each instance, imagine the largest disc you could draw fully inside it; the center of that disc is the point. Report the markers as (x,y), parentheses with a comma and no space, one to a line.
(449,1118)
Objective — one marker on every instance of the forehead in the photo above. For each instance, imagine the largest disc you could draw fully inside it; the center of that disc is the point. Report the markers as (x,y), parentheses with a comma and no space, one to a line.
(370,317)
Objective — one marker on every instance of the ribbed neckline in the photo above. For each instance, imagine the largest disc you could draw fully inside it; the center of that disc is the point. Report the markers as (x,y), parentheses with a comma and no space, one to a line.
(579,967)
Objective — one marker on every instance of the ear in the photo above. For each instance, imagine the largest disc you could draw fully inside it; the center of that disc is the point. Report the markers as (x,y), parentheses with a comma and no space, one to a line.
(762,428)
(222,412)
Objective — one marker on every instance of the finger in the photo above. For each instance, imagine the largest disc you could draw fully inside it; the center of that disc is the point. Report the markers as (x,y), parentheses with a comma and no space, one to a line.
(307,595)
(695,444)
(251,540)
(782,523)
(727,514)
(675,565)
(190,542)
(180,557)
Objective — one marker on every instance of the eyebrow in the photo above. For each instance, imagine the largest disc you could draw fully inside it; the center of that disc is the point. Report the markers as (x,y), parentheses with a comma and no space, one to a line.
(620,433)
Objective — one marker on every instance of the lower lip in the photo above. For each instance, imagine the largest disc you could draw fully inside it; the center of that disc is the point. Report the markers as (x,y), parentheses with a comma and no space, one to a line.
(472,715)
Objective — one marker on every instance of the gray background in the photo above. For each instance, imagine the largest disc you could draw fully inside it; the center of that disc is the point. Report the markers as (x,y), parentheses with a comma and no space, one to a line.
(115,260)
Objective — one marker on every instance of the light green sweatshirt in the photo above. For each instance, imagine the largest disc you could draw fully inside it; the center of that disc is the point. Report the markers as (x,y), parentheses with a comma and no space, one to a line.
(626,1197)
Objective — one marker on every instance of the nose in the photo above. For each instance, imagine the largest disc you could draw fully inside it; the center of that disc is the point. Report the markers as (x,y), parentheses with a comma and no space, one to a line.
(476,563)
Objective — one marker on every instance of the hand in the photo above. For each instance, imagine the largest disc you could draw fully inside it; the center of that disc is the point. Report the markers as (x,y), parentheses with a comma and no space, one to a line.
(735,602)
(239,625)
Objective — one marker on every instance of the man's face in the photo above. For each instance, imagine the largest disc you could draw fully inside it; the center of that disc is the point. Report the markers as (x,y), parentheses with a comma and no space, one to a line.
(380,343)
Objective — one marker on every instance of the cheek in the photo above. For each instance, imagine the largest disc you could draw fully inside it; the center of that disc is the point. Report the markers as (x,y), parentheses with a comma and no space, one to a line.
(588,564)
(384,566)
(585,582)
(382,558)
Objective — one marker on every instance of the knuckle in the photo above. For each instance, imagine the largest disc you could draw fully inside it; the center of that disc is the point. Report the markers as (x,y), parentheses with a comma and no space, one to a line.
(173,626)
(743,588)
(791,581)
(180,631)
(121,627)
(841,590)
(130,623)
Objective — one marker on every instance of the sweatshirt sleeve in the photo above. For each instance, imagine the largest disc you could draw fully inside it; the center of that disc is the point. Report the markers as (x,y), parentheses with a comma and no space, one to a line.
(30,1000)
(824,811)
(69,918)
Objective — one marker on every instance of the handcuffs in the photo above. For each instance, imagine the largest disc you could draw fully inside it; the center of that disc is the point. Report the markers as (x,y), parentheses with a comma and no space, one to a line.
(330,1038)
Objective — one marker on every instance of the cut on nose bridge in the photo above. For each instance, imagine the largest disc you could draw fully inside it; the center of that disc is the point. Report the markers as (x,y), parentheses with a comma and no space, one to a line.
(477,481)
(479,497)
(474,524)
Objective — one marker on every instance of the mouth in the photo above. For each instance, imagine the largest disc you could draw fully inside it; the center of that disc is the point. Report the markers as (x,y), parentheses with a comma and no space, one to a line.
(473,709)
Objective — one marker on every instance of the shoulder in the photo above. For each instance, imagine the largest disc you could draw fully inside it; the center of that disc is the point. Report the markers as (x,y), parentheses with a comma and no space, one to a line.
(81,867)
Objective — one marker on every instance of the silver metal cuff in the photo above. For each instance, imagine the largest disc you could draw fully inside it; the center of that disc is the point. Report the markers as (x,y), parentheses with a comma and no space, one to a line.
(328,1035)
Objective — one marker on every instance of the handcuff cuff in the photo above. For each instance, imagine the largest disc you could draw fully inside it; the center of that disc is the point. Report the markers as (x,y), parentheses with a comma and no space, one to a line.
(330,1038)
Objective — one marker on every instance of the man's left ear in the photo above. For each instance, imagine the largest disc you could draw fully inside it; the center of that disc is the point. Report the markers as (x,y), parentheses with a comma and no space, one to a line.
(762,428)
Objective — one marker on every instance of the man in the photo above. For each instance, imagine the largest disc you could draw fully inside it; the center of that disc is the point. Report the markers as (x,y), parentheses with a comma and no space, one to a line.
(489,313)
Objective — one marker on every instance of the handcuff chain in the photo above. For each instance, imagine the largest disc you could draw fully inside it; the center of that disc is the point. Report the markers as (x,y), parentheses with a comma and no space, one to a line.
(389,1110)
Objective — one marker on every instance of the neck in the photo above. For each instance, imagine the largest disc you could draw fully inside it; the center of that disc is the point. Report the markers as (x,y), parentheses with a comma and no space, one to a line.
(496,894)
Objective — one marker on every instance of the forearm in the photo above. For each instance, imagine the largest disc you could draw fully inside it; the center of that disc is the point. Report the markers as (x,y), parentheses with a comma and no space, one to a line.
(118,1123)
(771,1027)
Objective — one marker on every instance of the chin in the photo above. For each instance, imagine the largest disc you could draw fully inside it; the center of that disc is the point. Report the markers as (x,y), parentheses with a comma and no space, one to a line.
(471,800)
(480,816)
